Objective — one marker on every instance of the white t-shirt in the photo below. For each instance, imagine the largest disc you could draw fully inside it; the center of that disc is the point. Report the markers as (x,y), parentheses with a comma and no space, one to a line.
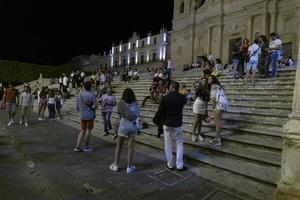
(275,44)
(65,81)
(169,66)
(255,51)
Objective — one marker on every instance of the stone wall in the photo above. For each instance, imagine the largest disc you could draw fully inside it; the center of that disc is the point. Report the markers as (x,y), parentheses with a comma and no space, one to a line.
(215,24)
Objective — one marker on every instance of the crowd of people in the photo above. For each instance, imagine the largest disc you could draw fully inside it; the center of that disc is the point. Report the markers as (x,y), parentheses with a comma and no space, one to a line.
(96,93)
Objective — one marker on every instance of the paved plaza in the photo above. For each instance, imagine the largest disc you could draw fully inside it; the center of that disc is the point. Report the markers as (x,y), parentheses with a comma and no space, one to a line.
(38,162)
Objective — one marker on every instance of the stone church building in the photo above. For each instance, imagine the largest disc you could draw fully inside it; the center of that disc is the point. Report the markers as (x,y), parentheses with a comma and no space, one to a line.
(213,26)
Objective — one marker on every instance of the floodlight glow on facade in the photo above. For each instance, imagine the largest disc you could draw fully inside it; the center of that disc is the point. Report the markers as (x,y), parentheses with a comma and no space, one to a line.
(128,58)
(136,57)
(137,44)
(129,45)
(160,53)
(148,40)
(148,56)
(165,37)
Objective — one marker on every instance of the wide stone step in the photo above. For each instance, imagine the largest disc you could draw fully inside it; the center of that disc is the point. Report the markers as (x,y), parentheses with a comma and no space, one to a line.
(222,159)
(251,186)
(248,127)
(260,99)
(239,107)
(238,119)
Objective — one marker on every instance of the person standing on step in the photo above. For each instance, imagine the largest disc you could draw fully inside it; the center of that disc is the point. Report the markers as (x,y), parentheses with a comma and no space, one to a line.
(244,57)
(169,67)
(200,110)
(275,47)
(129,112)
(11,100)
(42,101)
(59,101)
(171,106)
(107,102)
(87,104)
(51,105)
(220,105)
(26,102)
(254,51)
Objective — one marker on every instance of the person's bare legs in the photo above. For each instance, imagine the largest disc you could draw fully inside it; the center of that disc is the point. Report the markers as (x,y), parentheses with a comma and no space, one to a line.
(201,117)
(130,150)
(218,116)
(79,139)
(118,149)
(195,125)
(88,137)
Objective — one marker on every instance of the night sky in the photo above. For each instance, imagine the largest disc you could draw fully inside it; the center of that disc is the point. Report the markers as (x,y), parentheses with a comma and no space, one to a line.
(52,32)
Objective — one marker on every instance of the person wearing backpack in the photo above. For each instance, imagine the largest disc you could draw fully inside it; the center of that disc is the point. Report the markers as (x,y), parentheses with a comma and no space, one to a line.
(254,51)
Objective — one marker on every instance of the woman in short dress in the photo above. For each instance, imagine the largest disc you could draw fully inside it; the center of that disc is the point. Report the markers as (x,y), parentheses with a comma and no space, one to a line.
(199,110)
(220,105)
(129,111)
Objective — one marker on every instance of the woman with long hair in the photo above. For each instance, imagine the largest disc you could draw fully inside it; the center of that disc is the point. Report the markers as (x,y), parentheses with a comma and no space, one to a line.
(200,110)
(129,112)
(42,101)
(263,43)
(220,105)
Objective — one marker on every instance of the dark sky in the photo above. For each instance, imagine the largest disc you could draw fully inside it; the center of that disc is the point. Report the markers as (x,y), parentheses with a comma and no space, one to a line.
(52,31)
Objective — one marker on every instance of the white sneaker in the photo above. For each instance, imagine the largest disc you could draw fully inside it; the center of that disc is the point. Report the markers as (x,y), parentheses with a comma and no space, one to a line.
(200,138)
(21,122)
(40,118)
(130,169)
(26,124)
(114,167)
(12,121)
(194,138)
(9,124)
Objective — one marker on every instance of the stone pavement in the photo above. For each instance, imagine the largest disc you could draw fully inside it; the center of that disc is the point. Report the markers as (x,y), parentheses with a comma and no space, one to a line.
(38,162)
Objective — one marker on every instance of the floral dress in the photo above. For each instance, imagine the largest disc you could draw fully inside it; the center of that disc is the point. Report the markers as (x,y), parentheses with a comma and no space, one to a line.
(217,95)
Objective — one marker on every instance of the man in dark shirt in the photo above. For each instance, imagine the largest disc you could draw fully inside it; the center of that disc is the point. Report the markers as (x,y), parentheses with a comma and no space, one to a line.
(171,106)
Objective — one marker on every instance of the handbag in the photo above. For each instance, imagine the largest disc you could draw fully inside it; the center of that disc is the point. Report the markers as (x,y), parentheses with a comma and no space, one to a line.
(207,119)
(126,127)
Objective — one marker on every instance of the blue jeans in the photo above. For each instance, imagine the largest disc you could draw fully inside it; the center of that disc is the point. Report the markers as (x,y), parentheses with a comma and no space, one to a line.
(169,72)
(51,110)
(271,58)
(106,121)
(235,64)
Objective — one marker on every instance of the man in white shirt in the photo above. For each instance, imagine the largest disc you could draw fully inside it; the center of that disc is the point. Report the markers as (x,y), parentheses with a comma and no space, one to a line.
(253,51)
(275,48)
(65,82)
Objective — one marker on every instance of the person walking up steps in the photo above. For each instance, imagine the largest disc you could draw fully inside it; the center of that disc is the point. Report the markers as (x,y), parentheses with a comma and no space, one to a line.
(11,100)
(107,102)
(87,104)
(220,105)
(171,106)
(129,111)
(27,104)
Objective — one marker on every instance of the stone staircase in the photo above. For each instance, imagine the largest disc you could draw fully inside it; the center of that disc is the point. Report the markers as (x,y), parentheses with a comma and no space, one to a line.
(250,159)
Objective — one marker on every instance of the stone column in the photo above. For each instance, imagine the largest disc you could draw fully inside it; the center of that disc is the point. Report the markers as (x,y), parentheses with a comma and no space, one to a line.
(289,186)
(208,40)
(273,22)
(264,24)
(249,29)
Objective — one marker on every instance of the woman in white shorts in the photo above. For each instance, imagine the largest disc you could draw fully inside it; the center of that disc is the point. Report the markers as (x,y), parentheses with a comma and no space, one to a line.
(220,105)
(199,110)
